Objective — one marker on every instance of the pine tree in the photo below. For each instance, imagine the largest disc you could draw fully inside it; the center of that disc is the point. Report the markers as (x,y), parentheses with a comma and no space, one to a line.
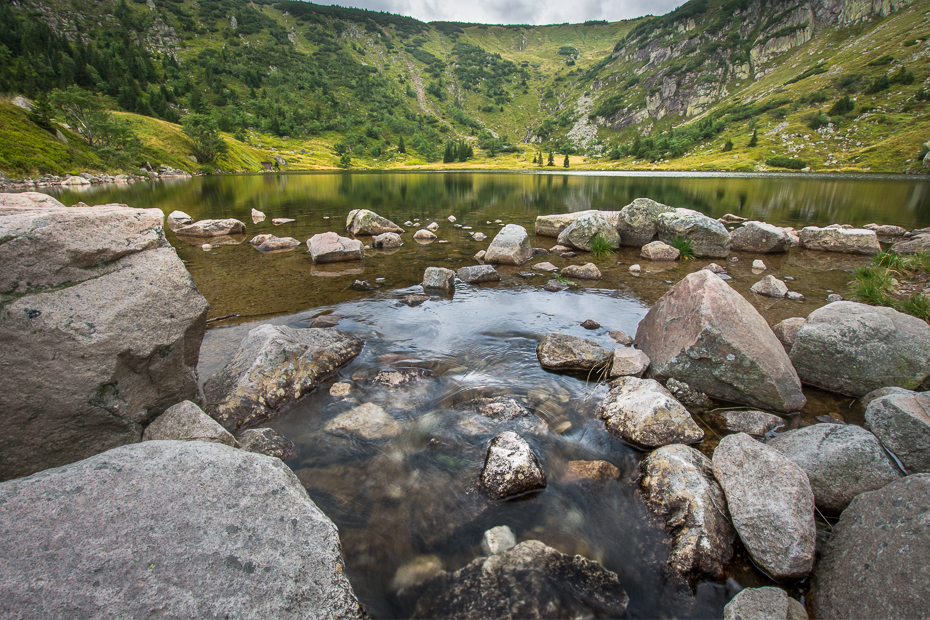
(728,146)
(551,161)
(540,158)
(401,148)
(534,158)
(565,163)
(753,141)
(41,113)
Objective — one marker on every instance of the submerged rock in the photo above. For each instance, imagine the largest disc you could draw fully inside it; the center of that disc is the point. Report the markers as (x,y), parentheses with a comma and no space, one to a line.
(901,419)
(643,413)
(678,486)
(365,222)
(511,246)
(564,352)
(772,505)
(530,580)
(273,367)
(590,471)
(266,441)
(707,335)
(368,422)
(187,422)
(764,603)
(498,540)
(329,247)
(854,348)
(212,228)
(511,467)
(169,528)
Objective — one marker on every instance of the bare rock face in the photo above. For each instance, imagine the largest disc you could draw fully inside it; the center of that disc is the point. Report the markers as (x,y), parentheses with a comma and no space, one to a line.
(658,251)
(564,352)
(530,580)
(901,419)
(760,237)
(772,505)
(638,222)
(365,222)
(212,228)
(841,461)
(581,232)
(511,468)
(768,603)
(708,237)
(875,564)
(178,529)
(266,441)
(273,367)
(678,486)
(705,334)
(511,246)
(846,241)
(187,422)
(100,329)
(643,413)
(329,247)
(854,348)
(477,274)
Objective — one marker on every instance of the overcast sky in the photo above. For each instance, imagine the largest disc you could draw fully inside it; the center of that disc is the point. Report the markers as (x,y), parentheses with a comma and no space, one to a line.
(517,11)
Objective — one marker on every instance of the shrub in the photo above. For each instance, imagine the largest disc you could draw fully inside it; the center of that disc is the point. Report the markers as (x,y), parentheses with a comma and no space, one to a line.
(842,106)
(786,162)
(882,61)
(728,146)
(818,120)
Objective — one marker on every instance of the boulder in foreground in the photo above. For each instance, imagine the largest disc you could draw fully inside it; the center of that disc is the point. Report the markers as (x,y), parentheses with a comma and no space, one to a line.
(901,419)
(181,529)
(511,246)
(511,467)
(187,422)
(643,413)
(764,603)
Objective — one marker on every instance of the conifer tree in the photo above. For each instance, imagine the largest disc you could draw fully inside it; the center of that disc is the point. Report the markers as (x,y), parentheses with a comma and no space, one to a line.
(551,161)
(754,140)
(401,148)
(565,163)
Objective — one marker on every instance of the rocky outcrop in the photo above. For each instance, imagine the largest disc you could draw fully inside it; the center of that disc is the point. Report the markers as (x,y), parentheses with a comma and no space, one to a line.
(477,274)
(841,461)
(212,228)
(772,505)
(705,334)
(511,468)
(708,237)
(273,367)
(571,353)
(901,420)
(365,222)
(510,246)
(100,329)
(580,233)
(266,441)
(187,422)
(874,565)
(768,603)
(846,241)
(439,279)
(679,487)
(643,413)
(638,222)
(760,237)
(854,348)
(329,247)
(173,529)
(530,580)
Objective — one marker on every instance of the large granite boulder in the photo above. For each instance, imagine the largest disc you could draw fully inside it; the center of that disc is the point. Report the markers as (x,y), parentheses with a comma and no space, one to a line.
(708,237)
(772,505)
(100,329)
(187,422)
(917,243)
(678,486)
(365,222)
(854,348)
(511,467)
(530,580)
(212,228)
(580,233)
(658,251)
(760,237)
(553,225)
(177,529)
(643,413)
(901,420)
(843,240)
(439,279)
(705,334)
(875,565)
(763,604)
(329,247)
(638,222)
(273,367)
(841,461)
(510,246)
(571,353)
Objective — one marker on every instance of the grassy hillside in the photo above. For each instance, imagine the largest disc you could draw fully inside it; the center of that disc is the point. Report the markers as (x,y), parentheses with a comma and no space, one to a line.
(325,86)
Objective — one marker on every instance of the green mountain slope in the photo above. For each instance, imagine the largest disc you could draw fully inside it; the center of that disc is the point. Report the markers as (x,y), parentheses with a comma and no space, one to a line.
(323,86)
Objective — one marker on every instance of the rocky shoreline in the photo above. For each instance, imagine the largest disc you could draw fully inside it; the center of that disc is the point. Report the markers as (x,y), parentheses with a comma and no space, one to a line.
(86,179)
(186,492)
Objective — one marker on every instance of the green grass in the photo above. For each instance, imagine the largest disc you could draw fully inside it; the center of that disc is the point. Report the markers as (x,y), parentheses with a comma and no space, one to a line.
(601,247)
(873,284)
(918,262)
(684,246)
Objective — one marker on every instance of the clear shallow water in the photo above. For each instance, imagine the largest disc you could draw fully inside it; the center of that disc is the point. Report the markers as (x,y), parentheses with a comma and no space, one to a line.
(415,495)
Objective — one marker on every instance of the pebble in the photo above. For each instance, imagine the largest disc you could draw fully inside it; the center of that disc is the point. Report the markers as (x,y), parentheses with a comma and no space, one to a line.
(635,268)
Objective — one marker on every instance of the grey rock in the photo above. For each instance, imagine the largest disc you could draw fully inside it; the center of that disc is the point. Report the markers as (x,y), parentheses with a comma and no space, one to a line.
(273,244)
(326,320)
(386,241)
(687,395)
(329,247)
(257,216)
(756,423)
(854,348)
(590,472)
(511,246)
(760,237)
(787,331)
(553,225)
(365,222)
(415,300)
(439,278)
(272,368)
(621,337)
(563,352)
(100,326)
(917,243)
(169,528)
(772,505)
(764,604)
(841,461)
(588,271)
(658,251)
(529,581)
(187,422)
(498,540)
(888,230)
(212,228)
(628,363)
(770,286)
(708,237)
(678,486)
(875,564)
(707,335)
(368,422)
(417,570)
(714,268)
(580,233)
(554,286)
(476,274)
(511,468)
(278,221)
(833,297)
(589,324)
(266,441)
(424,235)
(643,413)
(178,219)
(545,267)
(902,421)
(846,241)
(794,296)
(638,222)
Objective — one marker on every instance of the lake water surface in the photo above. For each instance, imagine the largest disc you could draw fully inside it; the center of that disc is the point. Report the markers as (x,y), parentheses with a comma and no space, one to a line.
(413,498)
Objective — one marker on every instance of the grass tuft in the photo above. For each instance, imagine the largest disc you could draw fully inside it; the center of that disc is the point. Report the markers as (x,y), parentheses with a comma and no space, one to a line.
(600,246)
(685,246)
